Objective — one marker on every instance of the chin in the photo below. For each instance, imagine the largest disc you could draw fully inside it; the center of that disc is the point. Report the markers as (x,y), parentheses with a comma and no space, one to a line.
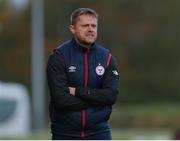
(90,41)
(87,42)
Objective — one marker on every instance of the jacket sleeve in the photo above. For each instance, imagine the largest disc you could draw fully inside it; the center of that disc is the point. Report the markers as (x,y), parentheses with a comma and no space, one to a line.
(110,88)
(58,86)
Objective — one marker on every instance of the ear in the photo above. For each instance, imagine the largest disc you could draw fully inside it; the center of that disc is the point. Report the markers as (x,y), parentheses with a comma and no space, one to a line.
(71,28)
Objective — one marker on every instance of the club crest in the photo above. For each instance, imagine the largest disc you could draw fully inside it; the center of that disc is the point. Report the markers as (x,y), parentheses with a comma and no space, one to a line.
(100,70)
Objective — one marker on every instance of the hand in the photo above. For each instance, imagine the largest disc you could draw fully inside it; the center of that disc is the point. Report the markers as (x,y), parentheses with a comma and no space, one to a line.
(72,90)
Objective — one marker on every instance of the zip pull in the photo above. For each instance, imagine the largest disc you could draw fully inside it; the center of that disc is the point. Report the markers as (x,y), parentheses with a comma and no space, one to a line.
(87,51)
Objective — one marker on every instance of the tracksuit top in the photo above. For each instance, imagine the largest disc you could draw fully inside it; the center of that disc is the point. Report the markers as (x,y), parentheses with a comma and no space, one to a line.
(94,74)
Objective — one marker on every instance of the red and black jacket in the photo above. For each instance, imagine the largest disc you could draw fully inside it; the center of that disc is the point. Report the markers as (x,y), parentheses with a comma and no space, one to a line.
(94,73)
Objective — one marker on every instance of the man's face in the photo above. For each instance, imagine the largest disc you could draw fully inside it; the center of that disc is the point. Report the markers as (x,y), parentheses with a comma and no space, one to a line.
(85,29)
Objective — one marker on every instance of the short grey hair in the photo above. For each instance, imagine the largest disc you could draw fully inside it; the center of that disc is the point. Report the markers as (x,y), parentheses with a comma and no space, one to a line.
(82,11)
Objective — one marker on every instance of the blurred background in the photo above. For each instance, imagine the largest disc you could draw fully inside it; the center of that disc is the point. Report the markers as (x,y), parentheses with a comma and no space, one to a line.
(143,35)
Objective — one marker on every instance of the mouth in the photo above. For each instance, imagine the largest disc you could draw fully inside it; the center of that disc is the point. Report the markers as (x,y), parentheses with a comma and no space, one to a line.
(90,35)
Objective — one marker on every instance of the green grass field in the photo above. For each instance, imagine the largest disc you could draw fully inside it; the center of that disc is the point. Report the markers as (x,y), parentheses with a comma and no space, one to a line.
(164,115)
(150,121)
(117,134)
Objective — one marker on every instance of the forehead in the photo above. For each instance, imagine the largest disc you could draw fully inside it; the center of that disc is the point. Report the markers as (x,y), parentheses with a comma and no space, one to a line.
(86,19)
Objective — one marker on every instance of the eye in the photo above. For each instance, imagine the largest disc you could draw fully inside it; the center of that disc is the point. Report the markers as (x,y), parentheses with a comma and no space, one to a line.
(85,25)
(94,26)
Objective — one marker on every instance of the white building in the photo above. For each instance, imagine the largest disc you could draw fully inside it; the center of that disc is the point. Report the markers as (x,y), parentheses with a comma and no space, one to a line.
(14,110)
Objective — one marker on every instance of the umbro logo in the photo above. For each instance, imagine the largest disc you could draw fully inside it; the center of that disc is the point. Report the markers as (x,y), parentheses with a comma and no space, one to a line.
(72,69)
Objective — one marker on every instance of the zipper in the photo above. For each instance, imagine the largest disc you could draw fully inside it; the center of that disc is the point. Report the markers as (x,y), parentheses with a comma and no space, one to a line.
(86,68)
(83,123)
(85,85)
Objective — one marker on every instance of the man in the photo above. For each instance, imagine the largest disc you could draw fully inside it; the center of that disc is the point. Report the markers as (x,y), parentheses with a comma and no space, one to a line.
(83,80)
